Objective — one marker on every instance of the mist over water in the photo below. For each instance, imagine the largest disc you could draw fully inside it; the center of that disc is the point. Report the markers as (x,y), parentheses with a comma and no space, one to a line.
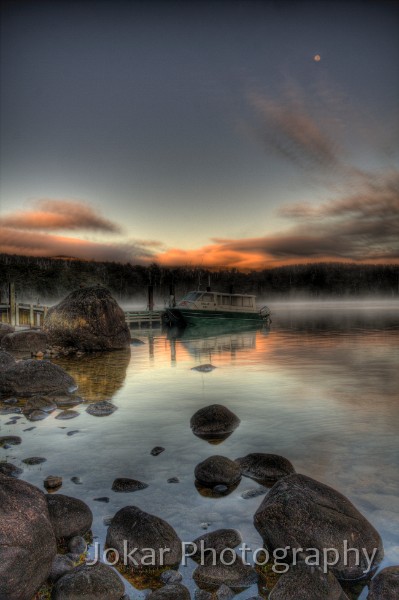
(318,387)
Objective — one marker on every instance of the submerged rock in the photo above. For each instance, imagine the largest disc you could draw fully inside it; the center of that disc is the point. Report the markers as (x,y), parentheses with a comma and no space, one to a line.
(27,541)
(67,401)
(207,368)
(123,484)
(34,460)
(307,583)
(37,415)
(88,319)
(171,591)
(10,470)
(157,450)
(254,492)
(214,423)
(267,468)
(69,516)
(141,531)
(52,482)
(217,470)
(9,440)
(302,512)
(213,543)
(65,415)
(6,360)
(30,377)
(385,585)
(101,409)
(98,582)
(39,403)
(236,576)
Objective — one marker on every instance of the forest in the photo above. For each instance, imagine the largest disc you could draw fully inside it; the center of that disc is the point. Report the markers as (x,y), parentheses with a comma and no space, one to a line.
(49,279)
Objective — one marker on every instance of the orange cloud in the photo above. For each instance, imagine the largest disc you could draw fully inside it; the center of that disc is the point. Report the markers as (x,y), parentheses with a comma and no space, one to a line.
(53,215)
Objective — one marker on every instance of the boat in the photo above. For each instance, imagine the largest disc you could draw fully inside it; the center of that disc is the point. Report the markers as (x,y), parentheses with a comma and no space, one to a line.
(211,308)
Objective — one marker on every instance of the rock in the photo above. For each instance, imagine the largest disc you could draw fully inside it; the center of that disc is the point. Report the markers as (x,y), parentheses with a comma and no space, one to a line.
(6,361)
(28,340)
(69,516)
(9,440)
(76,480)
(173,591)
(171,576)
(67,401)
(254,492)
(215,540)
(27,541)
(266,468)
(39,403)
(173,480)
(207,368)
(214,423)
(37,415)
(93,582)
(101,409)
(34,460)
(11,411)
(29,429)
(77,545)
(65,415)
(307,583)
(52,482)
(102,499)
(224,593)
(300,512)
(236,576)
(30,377)
(69,433)
(157,450)
(5,329)
(203,595)
(217,470)
(9,469)
(10,401)
(142,530)
(88,319)
(385,585)
(123,484)
(62,564)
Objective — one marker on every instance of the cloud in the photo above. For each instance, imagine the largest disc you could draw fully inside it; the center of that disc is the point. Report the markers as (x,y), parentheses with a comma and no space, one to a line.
(59,215)
(42,244)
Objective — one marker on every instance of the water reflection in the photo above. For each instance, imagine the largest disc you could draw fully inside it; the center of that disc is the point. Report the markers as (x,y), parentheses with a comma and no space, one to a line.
(99,375)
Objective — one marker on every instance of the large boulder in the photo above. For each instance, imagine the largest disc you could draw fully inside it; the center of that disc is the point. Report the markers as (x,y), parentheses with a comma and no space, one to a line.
(265,468)
(27,541)
(307,583)
(385,585)
(89,319)
(142,531)
(214,423)
(28,340)
(236,575)
(69,516)
(307,515)
(91,582)
(30,377)
(6,361)
(213,543)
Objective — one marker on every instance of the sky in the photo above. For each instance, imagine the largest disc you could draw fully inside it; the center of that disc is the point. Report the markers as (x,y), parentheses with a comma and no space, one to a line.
(220,134)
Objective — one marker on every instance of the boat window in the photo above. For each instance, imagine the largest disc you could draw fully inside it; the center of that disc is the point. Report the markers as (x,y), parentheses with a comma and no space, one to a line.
(236,300)
(226,300)
(247,302)
(192,296)
(207,298)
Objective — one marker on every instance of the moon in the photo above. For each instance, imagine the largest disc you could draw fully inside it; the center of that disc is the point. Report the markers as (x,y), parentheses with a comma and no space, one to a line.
(317,58)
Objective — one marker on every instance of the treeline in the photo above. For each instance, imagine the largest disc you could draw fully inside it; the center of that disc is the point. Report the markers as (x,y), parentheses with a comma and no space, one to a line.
(49,279)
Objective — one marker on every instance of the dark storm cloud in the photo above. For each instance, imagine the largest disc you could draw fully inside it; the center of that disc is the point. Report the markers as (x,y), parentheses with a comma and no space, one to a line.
(56,215)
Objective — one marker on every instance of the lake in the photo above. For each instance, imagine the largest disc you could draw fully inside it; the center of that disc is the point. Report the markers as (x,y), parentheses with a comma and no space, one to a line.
(320,387)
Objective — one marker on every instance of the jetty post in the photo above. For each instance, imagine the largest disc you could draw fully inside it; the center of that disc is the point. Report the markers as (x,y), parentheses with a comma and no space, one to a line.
(150,298)
(13,304)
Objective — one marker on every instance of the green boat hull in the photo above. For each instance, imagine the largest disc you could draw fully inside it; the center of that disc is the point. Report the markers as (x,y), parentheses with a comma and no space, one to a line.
(201,318)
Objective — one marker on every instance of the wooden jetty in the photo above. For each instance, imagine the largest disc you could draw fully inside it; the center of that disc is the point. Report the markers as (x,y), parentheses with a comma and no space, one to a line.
(143,319)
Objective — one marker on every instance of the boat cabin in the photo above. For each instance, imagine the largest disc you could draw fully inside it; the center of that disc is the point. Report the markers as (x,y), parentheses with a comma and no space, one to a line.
(219,301)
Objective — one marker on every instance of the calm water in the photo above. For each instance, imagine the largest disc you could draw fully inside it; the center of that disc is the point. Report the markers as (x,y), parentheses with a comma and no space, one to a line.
(320,387)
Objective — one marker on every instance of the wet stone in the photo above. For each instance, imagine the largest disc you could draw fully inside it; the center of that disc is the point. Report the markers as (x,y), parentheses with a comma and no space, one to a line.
(206,368)
(10,411)
(254,492)
(224,593)
(10,440)
(73,432)
(29,429)
(62,564)
(171,576)
(101,499)
(39,403)
(123,484)
(101,409)
(265,467)
(385,585)
(10,470)
(173,480)
(67,414)
(52,482)
(157,450)
(76,480)
(67,401)
(77,545)
(217,470)
(34,460)
(37,415)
